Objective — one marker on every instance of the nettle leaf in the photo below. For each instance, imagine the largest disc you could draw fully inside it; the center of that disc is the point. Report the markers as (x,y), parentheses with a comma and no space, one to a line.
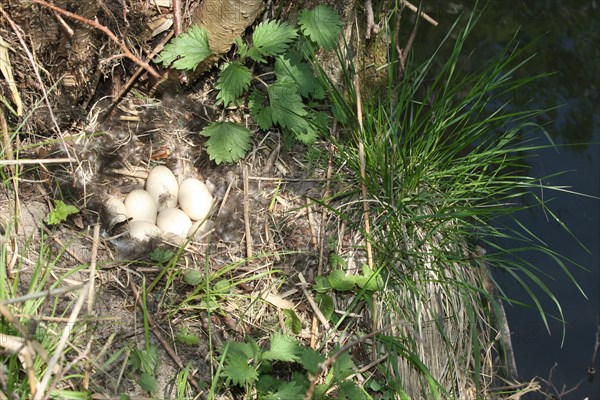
(233,81)
(311,359)
(343,367)
(261,112)
(228,142)
(287,391)
(272,37)
(349,390)
(287,108)
(283,348)
(60,212)
(291,66)
(148,383)
(238,370)
(187,50)
(322,25)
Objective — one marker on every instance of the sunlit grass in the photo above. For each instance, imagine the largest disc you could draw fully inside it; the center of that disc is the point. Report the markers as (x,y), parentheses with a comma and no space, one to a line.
(442,167)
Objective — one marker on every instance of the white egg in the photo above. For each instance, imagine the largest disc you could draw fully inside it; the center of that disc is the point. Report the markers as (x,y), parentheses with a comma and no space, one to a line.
(143,230)
(141,206)
(163,187)
(195,199)
(117,212)
(173,220)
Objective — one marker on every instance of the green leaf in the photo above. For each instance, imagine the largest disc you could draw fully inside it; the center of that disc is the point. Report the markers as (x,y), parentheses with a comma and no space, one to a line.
(310,359)
(322,25)
(370,280)
(321,284)
(271,38)
(287,391)
(187,50)
(193,277)
(161,256)
(187,339)
(283,348)
(341,281)
(222,287)
(228,142)
(343,367)
(336,261)
(145,361)
(292,322)
(238,370)
(326,305)
(350,391)
(259,110)
(287,108)
(290,66)
(233,81)
(148,383)
(61,212)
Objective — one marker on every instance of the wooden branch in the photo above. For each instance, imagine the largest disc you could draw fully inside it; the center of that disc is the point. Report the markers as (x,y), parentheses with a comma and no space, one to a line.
(108,32)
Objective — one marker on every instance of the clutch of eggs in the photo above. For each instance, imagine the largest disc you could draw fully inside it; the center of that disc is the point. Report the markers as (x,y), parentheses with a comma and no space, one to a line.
(163,208)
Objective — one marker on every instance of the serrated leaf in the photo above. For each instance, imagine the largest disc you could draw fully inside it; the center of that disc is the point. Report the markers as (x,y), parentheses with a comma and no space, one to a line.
(228,142)
(249,349)
(238,370)
(148,383)
(350,391)
(290,66)
(341,281)
(193,277)
(187,50)
(287,391)
(310,359)
(287,108)
(61,212)
(343,367)
(233,81)
(161,256)
(322,25)
(271,38)
(292,322)
(283,348)
(261,113)
(144,360)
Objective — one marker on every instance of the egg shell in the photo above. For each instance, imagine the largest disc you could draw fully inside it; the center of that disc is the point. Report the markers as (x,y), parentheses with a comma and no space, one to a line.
(163,187)
(195,199)
(141,206)
(173,220)
(143,230)
(116,210)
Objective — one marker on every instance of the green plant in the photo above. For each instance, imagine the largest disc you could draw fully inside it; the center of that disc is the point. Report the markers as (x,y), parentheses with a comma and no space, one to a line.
(61,212)
(442,167)
(289,101)
(282,370)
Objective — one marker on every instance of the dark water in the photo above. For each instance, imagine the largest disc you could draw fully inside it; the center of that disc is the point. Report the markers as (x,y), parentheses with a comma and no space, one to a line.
(567,42)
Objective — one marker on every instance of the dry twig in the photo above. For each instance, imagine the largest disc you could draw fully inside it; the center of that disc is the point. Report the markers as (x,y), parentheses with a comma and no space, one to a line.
(108,32)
